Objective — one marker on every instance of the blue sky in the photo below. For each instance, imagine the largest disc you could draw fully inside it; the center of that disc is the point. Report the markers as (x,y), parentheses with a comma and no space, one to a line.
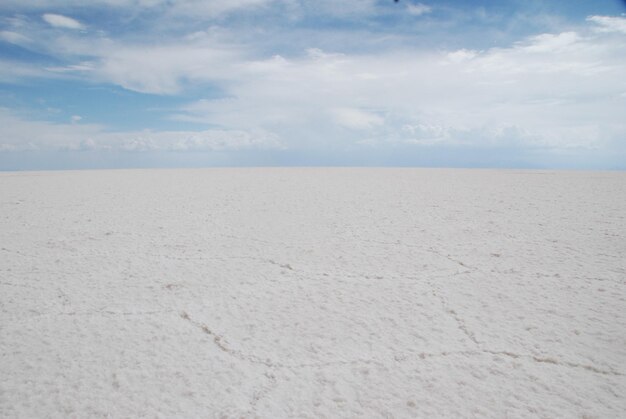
(164,83)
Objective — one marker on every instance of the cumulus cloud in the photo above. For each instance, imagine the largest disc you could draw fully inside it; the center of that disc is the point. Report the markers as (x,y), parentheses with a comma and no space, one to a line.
(60,21)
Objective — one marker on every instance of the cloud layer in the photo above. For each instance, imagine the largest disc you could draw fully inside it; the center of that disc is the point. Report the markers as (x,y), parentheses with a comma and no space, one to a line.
(244,86)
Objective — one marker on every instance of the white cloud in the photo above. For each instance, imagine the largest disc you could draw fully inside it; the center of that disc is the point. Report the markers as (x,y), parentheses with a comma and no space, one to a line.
(60,21)
(20,135)
(425,133)
(208,140)
(546,43)
(556,90)
(344,8)
(461,55)
(609,23)
(13,70)
(356,118)
(14,38)
(418,9)
(552,90)
(161,70)
(198,8)
(215,8)
(158,69)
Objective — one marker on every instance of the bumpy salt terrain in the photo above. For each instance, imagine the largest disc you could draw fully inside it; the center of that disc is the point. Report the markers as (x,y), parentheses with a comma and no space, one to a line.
(313,293)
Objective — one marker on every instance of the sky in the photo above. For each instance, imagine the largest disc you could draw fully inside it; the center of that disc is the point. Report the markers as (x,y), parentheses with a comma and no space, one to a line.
(201,83)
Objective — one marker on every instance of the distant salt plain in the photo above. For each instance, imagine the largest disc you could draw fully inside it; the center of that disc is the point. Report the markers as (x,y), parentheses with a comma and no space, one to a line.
(312,293)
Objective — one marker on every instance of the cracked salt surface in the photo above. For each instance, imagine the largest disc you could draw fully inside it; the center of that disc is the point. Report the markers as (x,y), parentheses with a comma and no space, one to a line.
(313,293)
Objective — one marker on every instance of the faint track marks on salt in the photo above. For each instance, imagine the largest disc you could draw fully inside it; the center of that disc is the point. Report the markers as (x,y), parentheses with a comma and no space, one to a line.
(513,355)
(222,345)
(459,321)
(463,327)
(100,312)
(537,359)
(265,390)
(451,259)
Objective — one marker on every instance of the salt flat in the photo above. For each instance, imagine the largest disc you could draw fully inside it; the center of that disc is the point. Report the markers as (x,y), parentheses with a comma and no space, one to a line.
(313,293)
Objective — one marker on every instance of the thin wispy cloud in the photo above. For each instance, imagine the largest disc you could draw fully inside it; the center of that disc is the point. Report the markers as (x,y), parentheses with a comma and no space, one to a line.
(14,38)
(418,9)
(60,21)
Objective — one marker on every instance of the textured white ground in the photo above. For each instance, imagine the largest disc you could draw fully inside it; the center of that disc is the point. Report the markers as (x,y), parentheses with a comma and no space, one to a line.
(313,293)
